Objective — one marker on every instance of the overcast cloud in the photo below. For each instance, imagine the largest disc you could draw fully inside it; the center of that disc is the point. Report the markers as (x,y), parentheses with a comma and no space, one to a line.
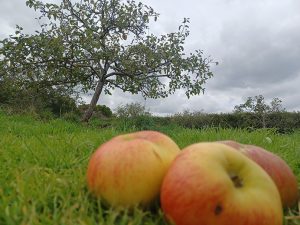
(256,42)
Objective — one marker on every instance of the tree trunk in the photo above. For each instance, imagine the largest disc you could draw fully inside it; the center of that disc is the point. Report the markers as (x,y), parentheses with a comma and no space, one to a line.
(264,120)
(89,112)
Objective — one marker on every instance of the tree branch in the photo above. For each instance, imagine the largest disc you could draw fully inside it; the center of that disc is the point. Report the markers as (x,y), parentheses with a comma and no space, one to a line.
(120,72)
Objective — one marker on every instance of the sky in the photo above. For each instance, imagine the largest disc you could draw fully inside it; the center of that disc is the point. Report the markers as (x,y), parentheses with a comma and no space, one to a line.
(256,42)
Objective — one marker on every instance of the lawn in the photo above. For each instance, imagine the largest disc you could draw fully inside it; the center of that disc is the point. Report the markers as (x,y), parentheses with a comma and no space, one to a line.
(43,167)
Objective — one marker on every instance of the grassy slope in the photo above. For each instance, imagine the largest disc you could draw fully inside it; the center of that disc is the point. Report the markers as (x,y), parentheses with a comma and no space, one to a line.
(43,165)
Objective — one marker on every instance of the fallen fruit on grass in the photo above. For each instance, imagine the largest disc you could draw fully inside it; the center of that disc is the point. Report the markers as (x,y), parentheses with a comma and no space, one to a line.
(213,184)
(276,167)
(128,170)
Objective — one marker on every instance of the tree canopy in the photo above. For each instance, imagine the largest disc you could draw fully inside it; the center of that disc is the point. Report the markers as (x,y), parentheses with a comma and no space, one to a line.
(101,45)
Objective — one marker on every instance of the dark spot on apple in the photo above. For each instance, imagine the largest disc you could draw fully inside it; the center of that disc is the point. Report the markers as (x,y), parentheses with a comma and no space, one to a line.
(237,181)
(218,210)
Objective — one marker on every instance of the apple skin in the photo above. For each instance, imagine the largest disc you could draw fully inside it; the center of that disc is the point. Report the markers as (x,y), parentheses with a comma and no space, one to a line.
(276,167)
(213,184)
(129,169)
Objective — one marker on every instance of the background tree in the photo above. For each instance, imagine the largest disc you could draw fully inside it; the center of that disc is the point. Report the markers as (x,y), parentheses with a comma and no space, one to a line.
(100,45)
(276,105)
(131,110)
(258,106)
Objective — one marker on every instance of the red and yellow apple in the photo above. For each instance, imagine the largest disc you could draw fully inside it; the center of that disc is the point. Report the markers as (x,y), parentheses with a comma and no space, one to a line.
(129,169)
(213,184)
(276,167)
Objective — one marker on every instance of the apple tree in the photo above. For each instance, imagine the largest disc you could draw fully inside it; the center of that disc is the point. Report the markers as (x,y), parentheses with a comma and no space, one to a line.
(100,45)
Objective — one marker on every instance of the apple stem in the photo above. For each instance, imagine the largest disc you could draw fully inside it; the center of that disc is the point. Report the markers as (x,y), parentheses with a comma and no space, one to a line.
(237,181)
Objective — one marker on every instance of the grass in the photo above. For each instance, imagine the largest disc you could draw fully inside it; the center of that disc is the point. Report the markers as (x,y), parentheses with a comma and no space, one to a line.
(43,166)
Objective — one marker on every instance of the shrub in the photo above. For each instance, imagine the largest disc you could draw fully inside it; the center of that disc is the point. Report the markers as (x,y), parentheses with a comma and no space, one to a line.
(104,110)
(42,101)
(71,116)
(131,110)
(143,122)
(100,111)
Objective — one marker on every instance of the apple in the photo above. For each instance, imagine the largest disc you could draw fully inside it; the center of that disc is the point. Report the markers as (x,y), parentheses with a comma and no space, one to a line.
(276,167)
(213,184)
(128,170)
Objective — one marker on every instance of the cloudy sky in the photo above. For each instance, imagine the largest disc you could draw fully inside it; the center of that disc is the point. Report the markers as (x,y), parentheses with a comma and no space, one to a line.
(256,42)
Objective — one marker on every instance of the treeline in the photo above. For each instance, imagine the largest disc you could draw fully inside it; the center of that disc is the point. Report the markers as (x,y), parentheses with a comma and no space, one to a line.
(51,103)
(267,117)
(282,122)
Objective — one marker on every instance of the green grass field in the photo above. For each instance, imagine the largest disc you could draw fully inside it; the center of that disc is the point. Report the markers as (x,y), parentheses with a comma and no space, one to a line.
(43,167)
